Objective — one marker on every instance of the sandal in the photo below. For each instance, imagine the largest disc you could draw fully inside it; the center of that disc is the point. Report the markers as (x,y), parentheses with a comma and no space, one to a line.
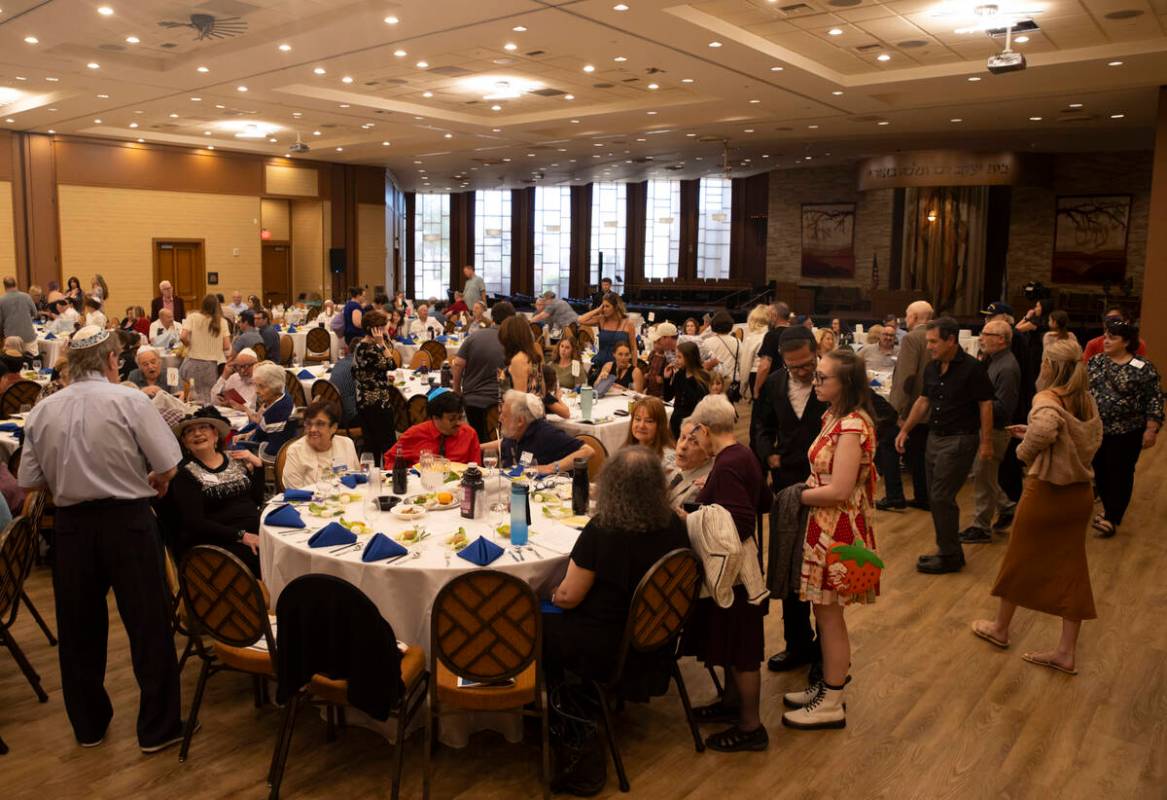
(1042,662)
(988,637)
(716,712)
(1104,528)
(733,740)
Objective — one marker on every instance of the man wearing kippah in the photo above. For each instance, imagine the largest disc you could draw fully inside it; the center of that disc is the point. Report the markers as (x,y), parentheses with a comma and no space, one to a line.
(444,434)
(103,451)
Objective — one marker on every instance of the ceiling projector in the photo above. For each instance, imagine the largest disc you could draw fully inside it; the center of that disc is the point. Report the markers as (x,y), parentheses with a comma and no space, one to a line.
(299,147)
(1006,61)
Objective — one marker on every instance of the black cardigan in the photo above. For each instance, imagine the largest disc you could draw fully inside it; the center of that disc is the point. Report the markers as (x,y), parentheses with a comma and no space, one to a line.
(215,514)
(780,432)
(686,393)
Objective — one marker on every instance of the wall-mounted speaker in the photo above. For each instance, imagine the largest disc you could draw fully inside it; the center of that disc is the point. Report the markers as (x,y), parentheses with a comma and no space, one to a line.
(336,260)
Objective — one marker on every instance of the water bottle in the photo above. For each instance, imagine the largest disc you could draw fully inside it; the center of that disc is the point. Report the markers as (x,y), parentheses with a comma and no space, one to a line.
(473,493)
(400,474)
(586,395)
(447,375)
(580,487)
(520,514)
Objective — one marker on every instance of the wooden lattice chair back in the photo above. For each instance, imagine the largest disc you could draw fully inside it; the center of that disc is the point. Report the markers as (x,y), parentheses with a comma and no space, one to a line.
(260,352)
(281,460)
(486,626)
(34,508)
(585,336)
(400,409)
(599,454)
(537,331)
(323,389)
(395,357)
(451,325)
(492,429)
(295,389)
(287,349)
(317,343)
(418,409)
(21,393)
(663,601)
(223,599)
(420,359)
(739,334)
(437,353)
(16,557)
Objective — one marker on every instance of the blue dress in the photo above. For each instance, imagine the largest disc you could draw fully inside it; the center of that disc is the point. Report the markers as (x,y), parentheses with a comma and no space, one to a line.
(605,346)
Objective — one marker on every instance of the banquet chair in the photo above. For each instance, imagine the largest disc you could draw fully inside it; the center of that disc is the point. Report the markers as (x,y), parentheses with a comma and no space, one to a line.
(21,393)
(317,346)
(15,562)
(395,357)
(486,627)
(420,359)
(333,639)
(585,336)
(281,459)
(451,325)
(179,621)
(225,603)
(294,388)
(325,390)
(287,350)
(34,509)
(492,421)
(661,605)
(400,409)
(537,331)
(260,352)
(418,409)
(739,333)
(437,352)
(599,454)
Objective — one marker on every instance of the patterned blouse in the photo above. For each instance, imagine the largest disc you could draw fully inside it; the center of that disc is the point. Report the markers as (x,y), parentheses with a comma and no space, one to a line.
(371,375)
(1127,394)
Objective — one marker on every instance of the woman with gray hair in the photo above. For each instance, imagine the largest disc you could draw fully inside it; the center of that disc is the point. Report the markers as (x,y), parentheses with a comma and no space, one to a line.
(633,527)
(732,638)
(272,423)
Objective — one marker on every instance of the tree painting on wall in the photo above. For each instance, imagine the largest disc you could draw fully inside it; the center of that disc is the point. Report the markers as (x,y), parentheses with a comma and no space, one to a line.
(828,240)
(1090,237)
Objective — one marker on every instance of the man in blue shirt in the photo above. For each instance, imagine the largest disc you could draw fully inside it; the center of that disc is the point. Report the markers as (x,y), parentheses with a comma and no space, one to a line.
(271,339)
(342,378)
(524,430)
(352,314)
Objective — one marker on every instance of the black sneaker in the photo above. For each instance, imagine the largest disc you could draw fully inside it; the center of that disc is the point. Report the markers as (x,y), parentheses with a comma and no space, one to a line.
(887,504)
(974,535)
(939,565)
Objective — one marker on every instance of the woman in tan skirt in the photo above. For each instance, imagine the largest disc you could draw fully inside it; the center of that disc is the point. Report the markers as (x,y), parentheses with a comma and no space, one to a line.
(1045,566)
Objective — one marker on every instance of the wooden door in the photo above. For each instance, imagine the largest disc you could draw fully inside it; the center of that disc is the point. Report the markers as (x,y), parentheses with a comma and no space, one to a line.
(181,263)
(277,273)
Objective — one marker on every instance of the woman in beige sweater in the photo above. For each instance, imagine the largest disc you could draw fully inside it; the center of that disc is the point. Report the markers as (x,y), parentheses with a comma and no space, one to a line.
(1045,566)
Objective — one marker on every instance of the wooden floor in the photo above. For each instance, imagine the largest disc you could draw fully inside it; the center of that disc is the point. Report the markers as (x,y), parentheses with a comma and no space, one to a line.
(932,712)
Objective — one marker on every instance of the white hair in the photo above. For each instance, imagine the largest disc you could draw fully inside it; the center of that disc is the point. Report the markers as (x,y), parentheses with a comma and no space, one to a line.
(247,351)
(270,376)
(145,351)
(525,406)
(715,412)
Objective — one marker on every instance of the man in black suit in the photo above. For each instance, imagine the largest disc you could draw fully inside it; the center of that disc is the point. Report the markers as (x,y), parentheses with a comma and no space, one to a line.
(789,418)
(598,297)
(167,299)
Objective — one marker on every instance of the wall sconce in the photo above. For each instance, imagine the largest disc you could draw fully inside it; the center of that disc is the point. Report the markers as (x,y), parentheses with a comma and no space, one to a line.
(932,216)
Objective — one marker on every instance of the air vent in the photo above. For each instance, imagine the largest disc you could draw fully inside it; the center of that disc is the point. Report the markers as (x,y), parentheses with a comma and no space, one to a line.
(1125,13)
(631,80)
(548,92)
(395,82)
(602,85)
(675,167)
(450,71)
(327,125)
(843,3)
(207,26)
(168,45)
(867,48)
(912,44)
(535,53)
(796,9)
(1025,26)
(112,48)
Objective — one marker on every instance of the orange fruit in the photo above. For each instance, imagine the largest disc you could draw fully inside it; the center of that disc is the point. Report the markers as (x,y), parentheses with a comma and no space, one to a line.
(445,498)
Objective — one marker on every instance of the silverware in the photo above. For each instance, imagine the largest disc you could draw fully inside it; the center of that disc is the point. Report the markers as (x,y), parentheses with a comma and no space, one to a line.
(344,547)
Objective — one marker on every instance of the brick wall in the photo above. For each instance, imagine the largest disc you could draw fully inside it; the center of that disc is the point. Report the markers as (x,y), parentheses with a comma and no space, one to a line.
(789,189)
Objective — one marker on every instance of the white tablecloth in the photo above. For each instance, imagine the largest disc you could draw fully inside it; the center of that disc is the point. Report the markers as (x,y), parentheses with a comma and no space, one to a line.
(300,344)
(406,380)
(407,350)
(610,429)
(49,349)
(404,590)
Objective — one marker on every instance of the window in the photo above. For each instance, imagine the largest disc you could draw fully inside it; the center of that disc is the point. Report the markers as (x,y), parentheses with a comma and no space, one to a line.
(431,245)
(552,239)
(714,207)
(662,229)
(492,238)
(609,232)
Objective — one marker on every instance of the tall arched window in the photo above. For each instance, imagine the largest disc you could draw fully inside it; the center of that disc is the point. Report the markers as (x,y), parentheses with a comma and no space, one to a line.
(552,239)
(492,238)
(715,203)
(431,245)
(662,229)
(609,232)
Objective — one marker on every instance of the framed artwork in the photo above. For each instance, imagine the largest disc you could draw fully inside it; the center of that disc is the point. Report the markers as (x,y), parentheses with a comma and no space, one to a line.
(828,240)
(1090,238)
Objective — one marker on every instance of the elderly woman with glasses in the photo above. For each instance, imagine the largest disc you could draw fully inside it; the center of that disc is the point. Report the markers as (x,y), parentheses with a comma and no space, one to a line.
(215,496)
(272,421)
(1130,402)
(313,457)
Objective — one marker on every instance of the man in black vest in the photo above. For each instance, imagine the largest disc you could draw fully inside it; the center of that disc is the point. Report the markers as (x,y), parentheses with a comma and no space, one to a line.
(789,417)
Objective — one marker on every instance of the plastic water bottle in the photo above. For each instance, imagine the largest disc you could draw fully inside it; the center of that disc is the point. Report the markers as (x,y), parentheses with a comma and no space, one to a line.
(586,396)
(519,514)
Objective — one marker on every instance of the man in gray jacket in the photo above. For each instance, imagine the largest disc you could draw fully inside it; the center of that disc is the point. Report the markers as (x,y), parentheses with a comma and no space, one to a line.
(16,314)
(907,381)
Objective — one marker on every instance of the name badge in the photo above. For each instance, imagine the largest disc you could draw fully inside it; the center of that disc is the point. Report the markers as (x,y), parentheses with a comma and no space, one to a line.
(575,369)
(172,376)
(1137,364)
(651,316)
(526,458)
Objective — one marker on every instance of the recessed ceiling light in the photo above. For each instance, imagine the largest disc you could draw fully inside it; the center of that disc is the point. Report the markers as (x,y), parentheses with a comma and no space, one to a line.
(423,65)
(835,31)
(174,116)
(1020,39)
(97,122)
(510,47)
(575,122)
(297,113)
(813,127)
(104,96)
(285,48)
(10,120)
(133,40)
(883,57)
(133,124)
(776,69)
(320,71)
(589,68)
(384,144)
(1075,105)
(654,86)
(837,93)
(1114,64)
(448,136)
(1117,116)
(748,130)
(345,105)
(974,79)
(651,113)
(217,105)
(21,78)
(690,135)
(686,80)
(196,99)
(315,133)
(51,130)
(956,119)
(519,28)
(620,7)
(427,94)
(140,141)
(241,88)
(765,155)
(93,65)
(620,59)
(1035,119)
(400,53)
(883,122)
(496,107)
(755,102)
(347,79)
(202,69)
(391,20)
(105,11)
(210,147)
(715,44)
(206,133)
(569,97)
(340,149)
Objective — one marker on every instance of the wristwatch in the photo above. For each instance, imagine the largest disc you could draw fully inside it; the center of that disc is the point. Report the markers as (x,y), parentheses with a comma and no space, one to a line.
(556,472)
(240,534)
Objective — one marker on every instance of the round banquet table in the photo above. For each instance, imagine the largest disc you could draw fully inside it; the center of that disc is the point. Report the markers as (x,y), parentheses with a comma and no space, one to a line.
(610,429)
(408,381)
(49,349)
(452,343)
(300,343)
(404,590)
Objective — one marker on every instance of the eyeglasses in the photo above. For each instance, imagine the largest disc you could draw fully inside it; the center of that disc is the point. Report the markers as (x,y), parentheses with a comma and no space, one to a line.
(802,367)
(820,377)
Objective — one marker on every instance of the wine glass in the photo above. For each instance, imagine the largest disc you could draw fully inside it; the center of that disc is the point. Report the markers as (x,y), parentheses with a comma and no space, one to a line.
(367,463)
(36,365)
(531,470)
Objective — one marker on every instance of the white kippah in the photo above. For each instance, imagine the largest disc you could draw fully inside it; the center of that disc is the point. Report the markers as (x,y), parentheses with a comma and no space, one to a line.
(89,336)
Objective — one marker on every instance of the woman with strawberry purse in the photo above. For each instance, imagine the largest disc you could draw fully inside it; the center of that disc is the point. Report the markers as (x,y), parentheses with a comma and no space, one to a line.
(839,563)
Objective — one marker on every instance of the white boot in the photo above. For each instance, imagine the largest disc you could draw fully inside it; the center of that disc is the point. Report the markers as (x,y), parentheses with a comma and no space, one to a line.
(824,710)
(800,699)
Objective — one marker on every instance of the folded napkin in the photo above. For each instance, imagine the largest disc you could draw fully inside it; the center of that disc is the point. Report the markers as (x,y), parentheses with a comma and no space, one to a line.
(381,547)
(405,340)
(10,427)
(297,494)
(50,336)
(305,374)
(285,517)
(291,329)
(480,552)
(547,607)
(353,478)
(46,370)
(442,339)
(331,535)
(515,471)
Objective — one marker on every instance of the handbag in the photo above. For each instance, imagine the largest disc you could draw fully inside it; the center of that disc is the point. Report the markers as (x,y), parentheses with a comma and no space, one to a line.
(734,391)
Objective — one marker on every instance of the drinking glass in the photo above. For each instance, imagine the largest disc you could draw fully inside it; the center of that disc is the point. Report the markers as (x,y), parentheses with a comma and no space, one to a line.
(36,364)
(367,463)
(531,470)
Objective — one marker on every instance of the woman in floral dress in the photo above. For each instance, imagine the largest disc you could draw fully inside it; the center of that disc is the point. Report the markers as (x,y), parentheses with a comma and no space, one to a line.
(839,564)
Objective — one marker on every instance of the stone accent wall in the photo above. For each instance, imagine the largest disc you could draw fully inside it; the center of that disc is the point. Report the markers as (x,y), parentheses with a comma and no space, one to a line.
(790,188)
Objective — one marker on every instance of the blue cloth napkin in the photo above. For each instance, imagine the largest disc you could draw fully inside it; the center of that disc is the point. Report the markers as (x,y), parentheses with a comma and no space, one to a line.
(442,339)
(331,535)
(405,340)
(297,494)
(305,374)
(515,471)
(50,336)
(547,607)
(480,552)
(285,517)
(10,427)
(46,370)
(381,547)
(353,478)
(291,329)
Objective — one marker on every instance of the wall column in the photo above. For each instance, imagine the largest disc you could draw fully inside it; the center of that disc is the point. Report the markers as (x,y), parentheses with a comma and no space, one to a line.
(1154,309)
(38,241)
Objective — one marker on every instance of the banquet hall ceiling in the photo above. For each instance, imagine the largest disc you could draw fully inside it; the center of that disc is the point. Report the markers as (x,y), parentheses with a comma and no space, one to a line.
(457,94)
